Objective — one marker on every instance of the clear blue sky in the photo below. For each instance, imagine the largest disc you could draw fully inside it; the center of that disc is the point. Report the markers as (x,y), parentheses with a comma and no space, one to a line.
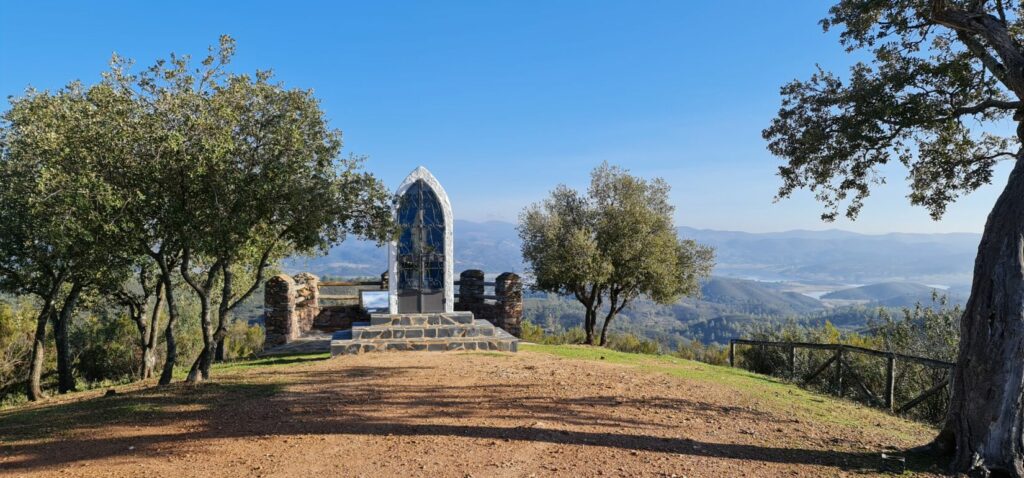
(504,100)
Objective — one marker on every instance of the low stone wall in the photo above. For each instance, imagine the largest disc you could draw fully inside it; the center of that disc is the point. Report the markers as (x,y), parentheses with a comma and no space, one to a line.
(292,305)
(506,311)
(333,318)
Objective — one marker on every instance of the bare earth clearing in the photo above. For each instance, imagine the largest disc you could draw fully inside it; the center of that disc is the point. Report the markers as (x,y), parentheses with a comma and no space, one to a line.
(457,414)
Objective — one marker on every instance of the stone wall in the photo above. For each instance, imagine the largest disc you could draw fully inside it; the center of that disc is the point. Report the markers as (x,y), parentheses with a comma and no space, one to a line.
(333,318)
(292,305)
(279,310)
(506,311)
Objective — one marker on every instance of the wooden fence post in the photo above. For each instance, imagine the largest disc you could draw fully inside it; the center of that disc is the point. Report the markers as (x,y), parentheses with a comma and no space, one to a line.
(839,370)
(732,353)
(890,382)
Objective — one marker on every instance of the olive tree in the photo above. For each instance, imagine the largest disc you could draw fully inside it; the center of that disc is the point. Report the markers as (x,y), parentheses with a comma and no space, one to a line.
(940,71)
(61,224)
(610,246)
(237,171)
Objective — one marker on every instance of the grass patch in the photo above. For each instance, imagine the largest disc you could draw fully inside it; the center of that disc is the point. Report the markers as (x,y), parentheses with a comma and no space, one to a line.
(148,403)
(181,372)
(783,397)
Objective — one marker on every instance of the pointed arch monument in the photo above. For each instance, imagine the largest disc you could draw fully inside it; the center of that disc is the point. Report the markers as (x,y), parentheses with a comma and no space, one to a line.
(420,262)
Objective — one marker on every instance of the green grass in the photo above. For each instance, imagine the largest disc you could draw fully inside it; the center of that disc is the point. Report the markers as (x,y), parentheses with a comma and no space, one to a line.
(753,388)
(181,371)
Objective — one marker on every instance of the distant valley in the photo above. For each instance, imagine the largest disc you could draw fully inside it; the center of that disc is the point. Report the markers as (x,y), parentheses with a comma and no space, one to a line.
(759,279)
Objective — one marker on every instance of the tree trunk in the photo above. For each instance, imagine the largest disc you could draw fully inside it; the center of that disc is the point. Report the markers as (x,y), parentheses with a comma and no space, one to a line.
(985,419)
(172,318)
(588,325)
(604,328)
(201,367)
(223,311)
(65,374)
(149,339)
(35,390)
(146,321)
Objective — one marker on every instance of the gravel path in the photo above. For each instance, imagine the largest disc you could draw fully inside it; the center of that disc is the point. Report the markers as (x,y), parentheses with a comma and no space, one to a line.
(442,414)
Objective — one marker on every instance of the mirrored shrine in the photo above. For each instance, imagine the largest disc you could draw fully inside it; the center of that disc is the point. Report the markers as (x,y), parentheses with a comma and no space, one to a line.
(420,262)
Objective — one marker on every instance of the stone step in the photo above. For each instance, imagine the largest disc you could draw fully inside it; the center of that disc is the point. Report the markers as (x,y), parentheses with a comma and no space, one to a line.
(480,328)
(347,347)
(437,318)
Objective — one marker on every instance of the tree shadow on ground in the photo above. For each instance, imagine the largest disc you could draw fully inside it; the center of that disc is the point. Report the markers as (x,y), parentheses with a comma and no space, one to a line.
(349,401)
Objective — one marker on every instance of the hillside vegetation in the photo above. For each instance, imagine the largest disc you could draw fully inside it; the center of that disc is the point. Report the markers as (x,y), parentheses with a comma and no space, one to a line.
(491,415)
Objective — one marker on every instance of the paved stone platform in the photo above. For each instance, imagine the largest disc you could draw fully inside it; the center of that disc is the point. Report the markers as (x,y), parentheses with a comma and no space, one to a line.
(311,343)
(430,332)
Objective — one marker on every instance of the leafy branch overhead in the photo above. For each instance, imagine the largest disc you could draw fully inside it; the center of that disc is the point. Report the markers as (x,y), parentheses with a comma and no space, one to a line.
(939,71)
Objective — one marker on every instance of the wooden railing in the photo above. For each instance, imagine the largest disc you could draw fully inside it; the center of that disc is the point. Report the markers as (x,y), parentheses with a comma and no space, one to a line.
(843,367)
(486,284)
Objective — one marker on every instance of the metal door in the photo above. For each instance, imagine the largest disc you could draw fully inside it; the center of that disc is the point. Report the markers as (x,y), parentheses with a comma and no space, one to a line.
(420,251)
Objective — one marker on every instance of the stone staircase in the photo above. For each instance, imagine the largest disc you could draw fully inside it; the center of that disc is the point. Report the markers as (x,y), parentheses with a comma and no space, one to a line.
(430,332)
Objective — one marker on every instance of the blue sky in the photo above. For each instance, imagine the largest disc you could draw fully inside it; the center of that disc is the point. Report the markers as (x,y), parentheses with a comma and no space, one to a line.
(505,100)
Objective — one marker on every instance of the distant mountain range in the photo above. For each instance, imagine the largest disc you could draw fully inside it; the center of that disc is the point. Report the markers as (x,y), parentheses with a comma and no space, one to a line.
(822,257)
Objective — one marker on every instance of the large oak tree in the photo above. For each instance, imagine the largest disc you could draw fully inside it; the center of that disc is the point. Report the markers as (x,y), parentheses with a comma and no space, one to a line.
(945,79)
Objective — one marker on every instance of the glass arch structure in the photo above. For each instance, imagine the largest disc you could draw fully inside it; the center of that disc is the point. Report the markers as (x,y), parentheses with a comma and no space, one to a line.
(421,266)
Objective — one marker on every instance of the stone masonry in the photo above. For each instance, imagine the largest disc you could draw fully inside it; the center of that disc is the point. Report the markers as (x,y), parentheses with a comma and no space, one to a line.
(432,332)
(293,311)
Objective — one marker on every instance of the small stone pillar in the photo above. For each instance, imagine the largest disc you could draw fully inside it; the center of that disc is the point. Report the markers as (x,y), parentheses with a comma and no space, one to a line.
(509,290)
(307,301)
(471,289)
(279,311)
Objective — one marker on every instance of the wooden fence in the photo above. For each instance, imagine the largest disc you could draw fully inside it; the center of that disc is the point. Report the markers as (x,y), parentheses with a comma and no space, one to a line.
(490,284)
(842,366)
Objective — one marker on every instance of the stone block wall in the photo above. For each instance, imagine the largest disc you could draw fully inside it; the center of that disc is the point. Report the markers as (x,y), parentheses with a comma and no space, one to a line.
(279,310)
(506,311)
(292,305)
(333,318)
(307,300)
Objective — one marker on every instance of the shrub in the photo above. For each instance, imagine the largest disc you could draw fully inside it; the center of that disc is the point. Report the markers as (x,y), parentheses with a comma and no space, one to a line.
(104,347)
(713,354)
(243,340)
(632,344)
(17,322)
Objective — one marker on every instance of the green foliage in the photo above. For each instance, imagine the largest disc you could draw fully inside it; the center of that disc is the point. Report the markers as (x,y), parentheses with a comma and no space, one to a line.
(188,170)
(931,332)
(611,246)
(243,340)
(713,354)
(17,321)
(106,348)
(934,73)
(632,344)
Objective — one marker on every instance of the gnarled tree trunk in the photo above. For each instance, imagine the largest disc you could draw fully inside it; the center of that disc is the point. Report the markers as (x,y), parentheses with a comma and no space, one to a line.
(61,322)
(172,318)
(35,377)
(986,413)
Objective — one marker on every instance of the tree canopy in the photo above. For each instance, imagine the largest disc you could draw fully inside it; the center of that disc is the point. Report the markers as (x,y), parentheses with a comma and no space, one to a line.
(610,246)
(941,94)
(178,172)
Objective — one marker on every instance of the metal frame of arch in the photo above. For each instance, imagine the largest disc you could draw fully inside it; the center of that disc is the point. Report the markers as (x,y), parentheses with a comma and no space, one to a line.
(449,262)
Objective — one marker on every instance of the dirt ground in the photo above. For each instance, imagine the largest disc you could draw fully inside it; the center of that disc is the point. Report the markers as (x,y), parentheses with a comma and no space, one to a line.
(443,414)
